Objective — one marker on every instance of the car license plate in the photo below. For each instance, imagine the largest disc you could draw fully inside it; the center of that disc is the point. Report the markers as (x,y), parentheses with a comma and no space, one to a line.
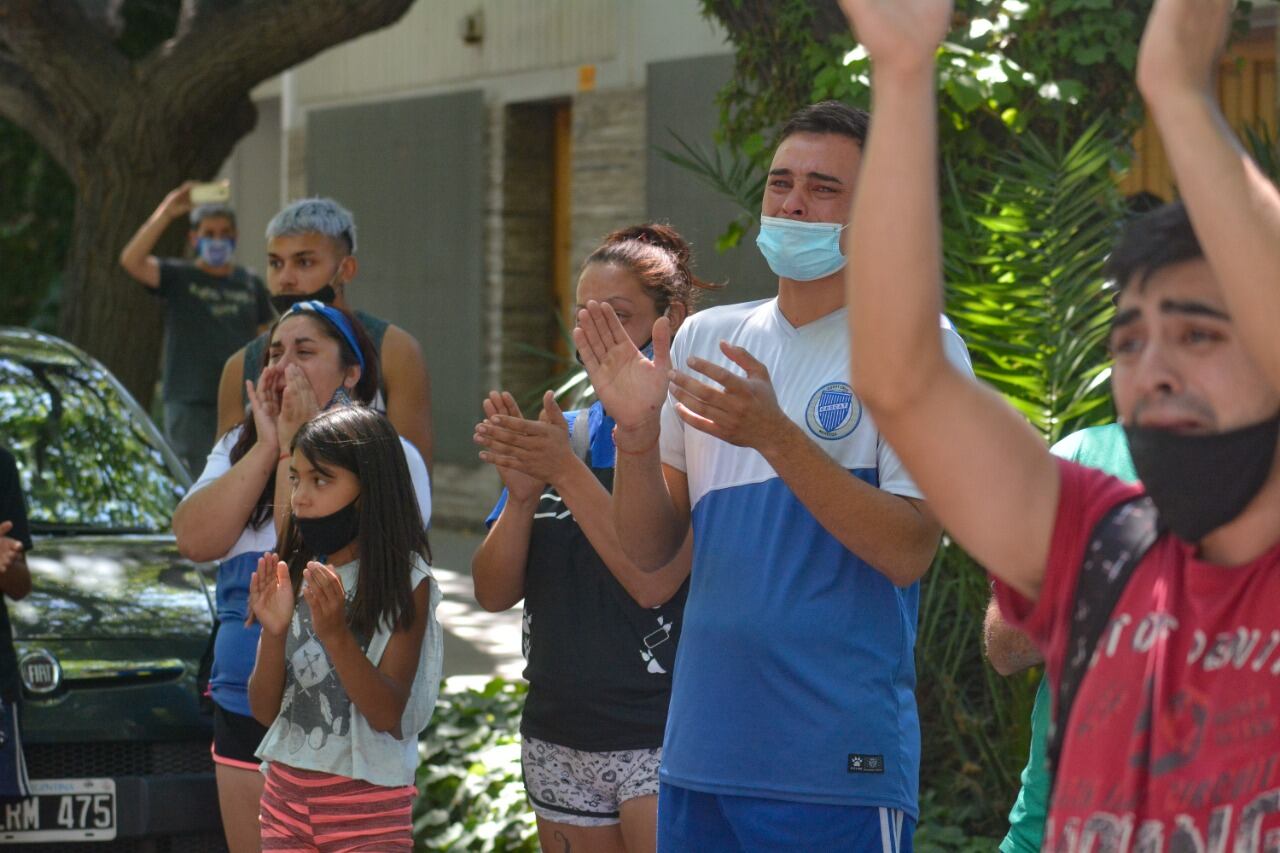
(62,810)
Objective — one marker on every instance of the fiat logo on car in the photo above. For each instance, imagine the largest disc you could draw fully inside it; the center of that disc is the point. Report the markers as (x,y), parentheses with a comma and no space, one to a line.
(41,672)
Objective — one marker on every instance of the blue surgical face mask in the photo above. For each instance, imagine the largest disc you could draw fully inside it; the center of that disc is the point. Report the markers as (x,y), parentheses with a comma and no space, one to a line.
(215,251)
(801,251)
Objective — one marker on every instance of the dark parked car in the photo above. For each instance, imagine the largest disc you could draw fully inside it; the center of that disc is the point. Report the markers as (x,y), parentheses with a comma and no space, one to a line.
(111,639)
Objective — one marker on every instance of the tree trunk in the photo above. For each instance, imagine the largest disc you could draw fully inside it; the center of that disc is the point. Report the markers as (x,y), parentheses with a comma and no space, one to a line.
(120,183)
(128,130)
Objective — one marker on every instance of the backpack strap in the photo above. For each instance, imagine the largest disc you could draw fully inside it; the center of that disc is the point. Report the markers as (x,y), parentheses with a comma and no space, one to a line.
(1117,545)
(580,439)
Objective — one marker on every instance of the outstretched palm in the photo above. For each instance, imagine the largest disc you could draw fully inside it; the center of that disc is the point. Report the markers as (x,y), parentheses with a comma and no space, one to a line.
(271,594)
(632,387)
(900,33)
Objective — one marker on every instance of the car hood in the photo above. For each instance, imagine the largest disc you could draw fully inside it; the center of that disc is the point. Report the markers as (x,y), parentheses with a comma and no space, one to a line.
(112,587)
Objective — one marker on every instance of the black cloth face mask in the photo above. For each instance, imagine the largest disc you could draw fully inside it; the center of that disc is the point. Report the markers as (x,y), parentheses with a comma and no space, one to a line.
(329,533)
(282,302)
(1201,482)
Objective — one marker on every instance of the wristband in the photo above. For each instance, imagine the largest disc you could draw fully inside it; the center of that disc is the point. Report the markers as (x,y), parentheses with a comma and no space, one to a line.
(283,456)
(634,452)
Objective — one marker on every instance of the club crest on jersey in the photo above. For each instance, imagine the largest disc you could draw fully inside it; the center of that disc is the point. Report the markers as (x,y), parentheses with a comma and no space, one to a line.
(834,411)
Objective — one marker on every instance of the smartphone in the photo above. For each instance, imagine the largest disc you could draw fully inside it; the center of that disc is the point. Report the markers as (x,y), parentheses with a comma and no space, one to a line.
(211,193)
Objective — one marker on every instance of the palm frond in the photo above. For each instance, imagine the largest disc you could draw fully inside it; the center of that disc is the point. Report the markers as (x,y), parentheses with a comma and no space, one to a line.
(1024,256)
(731,174)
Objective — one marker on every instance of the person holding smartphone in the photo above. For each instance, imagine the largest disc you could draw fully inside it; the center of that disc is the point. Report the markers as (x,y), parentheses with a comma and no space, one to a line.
(212,308)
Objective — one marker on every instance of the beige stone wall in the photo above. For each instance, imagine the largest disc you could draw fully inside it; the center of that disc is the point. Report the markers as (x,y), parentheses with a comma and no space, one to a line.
(524,232)
(608,174)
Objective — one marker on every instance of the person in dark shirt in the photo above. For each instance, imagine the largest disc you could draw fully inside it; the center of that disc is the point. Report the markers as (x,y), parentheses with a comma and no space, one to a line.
(15,583)
(311,255)
(600,634)
(212,308)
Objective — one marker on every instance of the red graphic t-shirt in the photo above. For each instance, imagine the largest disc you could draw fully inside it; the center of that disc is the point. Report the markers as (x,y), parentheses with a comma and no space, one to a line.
(1174,739)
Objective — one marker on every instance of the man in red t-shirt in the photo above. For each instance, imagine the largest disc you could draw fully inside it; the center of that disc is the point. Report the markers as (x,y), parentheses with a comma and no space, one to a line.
(1173,742)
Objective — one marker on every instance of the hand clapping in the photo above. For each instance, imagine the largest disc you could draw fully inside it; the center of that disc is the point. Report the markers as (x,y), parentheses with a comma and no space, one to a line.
(271,595)
(537,449)
(322,589)
(902,35)
(521,485)
(10,549)
(632,387)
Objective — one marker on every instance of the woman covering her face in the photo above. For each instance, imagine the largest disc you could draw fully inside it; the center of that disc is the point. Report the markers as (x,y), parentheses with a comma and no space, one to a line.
(319,357)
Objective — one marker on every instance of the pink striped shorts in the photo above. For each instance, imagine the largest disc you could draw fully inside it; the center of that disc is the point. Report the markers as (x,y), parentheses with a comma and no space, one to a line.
(304,811)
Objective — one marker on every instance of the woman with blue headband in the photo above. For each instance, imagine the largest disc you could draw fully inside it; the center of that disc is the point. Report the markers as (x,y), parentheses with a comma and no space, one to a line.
(319,356)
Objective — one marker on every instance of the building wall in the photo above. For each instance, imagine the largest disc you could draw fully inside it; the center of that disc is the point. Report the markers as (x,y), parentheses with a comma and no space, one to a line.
(681,105)
(354,123)
(1247,92)
(521,319)
(608,172)
(255,184)
(413,174)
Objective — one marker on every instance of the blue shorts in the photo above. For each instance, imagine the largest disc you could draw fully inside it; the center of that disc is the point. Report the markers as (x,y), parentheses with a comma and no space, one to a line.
(721,823)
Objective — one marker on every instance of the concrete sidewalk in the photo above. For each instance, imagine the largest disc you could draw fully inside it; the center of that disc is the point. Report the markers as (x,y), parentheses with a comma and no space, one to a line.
(477,645)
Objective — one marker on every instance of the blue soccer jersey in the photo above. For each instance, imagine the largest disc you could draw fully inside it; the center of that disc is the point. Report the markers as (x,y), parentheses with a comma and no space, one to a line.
(795,675)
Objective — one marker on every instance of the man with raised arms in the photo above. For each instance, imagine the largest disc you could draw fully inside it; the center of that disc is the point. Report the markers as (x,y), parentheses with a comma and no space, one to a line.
(793,723)
(1173,742)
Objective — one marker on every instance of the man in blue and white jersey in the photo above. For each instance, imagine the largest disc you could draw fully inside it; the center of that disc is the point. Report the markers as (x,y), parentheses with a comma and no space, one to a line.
(793,722)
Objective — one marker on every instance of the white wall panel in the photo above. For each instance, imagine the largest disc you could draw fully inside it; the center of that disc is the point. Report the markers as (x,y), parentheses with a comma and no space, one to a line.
(426,48)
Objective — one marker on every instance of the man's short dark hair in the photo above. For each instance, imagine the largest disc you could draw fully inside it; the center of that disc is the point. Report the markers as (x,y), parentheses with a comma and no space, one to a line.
(829,117)
(1150,242)
(209,211)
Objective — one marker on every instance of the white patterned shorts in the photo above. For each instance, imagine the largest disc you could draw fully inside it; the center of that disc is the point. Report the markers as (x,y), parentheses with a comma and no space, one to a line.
(585,788)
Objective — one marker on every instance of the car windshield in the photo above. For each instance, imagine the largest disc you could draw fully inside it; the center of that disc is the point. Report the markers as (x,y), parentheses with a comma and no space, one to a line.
(89,459)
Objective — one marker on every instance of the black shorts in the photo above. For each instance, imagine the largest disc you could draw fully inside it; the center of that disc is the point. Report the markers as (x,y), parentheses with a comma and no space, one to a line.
(236,738)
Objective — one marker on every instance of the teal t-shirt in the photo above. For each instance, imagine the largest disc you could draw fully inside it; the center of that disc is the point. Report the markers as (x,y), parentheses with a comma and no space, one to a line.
(1106,449)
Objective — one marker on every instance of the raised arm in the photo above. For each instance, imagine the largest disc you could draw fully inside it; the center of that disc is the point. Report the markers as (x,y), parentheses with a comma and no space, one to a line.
(231,393)
(650,509)
(498,567)
(408,390)
(982,468)
(271,604)
(379,692)
(136,257)
(541,451)
(1234,207)
(211,517)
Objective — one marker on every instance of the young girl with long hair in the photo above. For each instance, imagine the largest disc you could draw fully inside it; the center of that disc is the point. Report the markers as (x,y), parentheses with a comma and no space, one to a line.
(349,658)
(318,357)
(600,633)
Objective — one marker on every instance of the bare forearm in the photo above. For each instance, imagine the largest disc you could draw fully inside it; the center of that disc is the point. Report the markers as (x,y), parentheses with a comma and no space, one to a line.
(266,684)
(894,276)
(498,567)
(885,530)
(650,528)
(135,257)
(283,498)
(379,699)
(209,521)
(592,509)
(1236,213)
